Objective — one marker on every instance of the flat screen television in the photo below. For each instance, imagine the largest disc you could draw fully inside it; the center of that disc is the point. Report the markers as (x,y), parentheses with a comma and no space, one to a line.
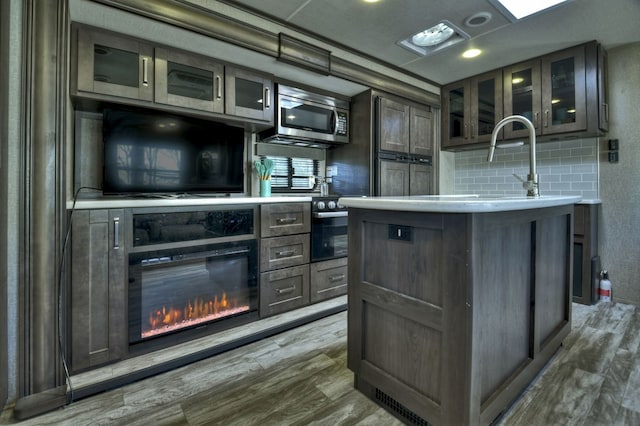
(152,152)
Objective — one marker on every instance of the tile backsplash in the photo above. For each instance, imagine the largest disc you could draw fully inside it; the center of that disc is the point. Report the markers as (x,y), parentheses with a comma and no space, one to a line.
(567,167)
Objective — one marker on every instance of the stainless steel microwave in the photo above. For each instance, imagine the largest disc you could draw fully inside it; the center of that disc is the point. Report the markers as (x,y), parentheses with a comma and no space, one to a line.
(306,117)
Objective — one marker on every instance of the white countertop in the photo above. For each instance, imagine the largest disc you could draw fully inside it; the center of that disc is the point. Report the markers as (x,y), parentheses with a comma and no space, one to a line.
(126,202)
(458,203)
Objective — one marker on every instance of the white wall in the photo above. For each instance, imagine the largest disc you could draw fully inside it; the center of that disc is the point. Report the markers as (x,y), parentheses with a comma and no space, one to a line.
(620,182)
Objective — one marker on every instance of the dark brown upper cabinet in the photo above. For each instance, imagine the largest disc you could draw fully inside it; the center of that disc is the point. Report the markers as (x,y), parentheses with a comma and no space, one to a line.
(563,94)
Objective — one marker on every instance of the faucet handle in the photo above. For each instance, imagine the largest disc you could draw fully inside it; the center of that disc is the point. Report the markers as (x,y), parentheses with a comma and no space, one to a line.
(526,184)
(519,178)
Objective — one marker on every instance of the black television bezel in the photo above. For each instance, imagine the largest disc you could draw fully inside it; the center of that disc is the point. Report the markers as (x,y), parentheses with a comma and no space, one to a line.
(211,127)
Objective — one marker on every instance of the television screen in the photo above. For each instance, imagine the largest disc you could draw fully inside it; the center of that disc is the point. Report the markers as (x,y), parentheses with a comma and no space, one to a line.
(155,152)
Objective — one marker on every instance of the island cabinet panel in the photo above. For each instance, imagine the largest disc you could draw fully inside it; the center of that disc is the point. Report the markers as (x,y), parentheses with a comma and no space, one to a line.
(406,320)
(451,315)
(502,302)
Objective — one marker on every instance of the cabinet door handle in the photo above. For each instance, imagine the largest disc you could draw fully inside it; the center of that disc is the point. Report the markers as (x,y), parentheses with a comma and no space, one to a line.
(606,111)
(145,72)
(116,233)
(285,290)
(267,98)
(335,278)
(546,118)
(537,123)
(472,130)
(286,220)
(466,133)
(285,253)
(219,84)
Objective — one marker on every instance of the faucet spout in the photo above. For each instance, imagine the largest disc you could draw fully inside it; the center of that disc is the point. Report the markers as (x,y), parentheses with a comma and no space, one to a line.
(531,184)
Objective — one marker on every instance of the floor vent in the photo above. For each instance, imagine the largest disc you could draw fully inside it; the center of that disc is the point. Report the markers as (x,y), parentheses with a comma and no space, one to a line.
(399,409)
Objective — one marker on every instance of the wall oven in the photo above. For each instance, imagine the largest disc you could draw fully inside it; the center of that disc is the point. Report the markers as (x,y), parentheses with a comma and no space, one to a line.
(304,116)
(329,237)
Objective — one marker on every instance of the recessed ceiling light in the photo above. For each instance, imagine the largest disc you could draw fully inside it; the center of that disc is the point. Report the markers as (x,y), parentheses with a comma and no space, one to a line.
(371,1)
(471,53)
(518,9)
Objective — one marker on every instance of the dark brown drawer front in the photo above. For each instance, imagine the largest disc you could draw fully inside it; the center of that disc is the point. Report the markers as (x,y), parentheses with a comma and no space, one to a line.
(283,290)
(282,252)
(285,219)
(328,279)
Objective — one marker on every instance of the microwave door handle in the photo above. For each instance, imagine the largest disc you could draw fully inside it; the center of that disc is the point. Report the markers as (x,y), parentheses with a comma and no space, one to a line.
(335,121)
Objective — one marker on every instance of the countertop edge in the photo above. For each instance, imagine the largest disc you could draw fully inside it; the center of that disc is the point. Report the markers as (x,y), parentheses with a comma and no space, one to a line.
(456,206)
(180,202)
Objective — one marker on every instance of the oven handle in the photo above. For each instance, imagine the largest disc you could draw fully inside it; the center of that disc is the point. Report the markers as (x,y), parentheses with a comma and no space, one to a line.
(324,215)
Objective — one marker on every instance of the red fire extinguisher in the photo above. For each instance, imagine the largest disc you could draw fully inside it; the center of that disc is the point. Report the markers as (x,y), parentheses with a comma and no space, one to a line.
(605,287)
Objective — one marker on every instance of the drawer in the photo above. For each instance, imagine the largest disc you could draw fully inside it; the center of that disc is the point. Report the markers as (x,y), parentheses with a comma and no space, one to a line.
(328,279)
(283,290)
(282,252)
(285,219)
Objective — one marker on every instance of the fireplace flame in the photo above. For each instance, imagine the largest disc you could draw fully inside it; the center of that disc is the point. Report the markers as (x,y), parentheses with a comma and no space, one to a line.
(195,312)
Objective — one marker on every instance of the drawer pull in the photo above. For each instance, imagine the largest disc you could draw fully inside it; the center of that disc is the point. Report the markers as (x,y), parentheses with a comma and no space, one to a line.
(116,233)
(145,72)
(286,290)
(285,253)
(267,98)
(286,220)
(335,278)
(219,86)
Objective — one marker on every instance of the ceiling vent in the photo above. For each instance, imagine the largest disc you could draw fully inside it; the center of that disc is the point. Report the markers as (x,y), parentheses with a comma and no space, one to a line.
(434,39)
(477,19)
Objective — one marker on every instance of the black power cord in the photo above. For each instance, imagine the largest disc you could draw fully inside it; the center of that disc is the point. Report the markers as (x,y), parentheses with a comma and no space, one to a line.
(61,276)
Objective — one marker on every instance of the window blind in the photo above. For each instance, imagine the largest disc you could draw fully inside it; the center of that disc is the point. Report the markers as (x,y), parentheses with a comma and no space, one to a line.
(293,174)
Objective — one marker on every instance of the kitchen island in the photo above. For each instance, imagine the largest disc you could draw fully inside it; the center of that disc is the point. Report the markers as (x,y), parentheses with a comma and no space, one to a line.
(456,302)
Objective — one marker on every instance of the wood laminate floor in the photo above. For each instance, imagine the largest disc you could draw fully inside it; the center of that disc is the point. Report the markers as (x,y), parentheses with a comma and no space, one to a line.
(300,378)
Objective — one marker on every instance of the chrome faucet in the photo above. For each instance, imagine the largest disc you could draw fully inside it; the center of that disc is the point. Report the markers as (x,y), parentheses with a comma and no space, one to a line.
(531,184)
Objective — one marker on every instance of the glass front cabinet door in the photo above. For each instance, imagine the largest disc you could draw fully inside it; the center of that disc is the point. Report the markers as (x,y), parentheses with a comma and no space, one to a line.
(522,97)
(455,113)
(471,109)
(114,65)
(248,94)
(564,104)
(188,80)
(486,105)
(550,91)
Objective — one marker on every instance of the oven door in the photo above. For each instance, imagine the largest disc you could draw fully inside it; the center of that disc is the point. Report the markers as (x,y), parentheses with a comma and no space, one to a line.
(329,236)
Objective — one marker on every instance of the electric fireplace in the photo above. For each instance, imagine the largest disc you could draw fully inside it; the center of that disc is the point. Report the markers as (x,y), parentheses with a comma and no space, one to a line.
(178,290)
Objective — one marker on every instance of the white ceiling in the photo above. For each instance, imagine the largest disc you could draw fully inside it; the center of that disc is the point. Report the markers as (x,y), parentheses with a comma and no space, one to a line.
(374,29)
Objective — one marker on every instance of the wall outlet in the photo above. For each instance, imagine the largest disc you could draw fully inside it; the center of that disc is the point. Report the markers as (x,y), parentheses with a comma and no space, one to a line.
(332,171)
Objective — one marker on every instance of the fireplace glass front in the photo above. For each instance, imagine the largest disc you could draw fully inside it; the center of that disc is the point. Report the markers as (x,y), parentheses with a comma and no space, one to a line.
(190,288)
